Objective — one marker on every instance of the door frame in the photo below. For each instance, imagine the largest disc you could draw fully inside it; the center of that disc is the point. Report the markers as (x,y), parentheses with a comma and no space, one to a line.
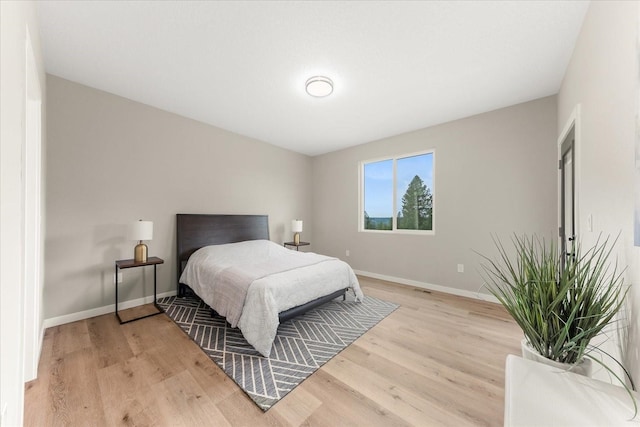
(32,211)
(572,123)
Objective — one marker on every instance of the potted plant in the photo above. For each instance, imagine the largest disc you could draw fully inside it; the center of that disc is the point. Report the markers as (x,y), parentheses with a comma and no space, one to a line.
(560,301)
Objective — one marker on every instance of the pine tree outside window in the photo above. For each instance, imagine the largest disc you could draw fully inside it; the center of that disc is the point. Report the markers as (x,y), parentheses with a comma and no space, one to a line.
(397,194)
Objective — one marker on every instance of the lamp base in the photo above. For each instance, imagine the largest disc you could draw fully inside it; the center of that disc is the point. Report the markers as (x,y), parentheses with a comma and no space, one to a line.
(296,239)
(140,252)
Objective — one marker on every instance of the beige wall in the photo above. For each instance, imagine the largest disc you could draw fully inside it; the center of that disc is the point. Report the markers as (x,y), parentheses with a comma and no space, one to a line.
(112,161)
(603,78)
(494,173)
(16,18)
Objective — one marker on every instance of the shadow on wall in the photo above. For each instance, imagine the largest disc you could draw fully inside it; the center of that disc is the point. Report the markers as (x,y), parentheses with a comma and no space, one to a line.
(627,337)
(278,234)
(109,239)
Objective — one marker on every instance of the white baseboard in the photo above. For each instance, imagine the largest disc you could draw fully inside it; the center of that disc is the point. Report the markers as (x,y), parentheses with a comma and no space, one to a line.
(73,317)
(430,286)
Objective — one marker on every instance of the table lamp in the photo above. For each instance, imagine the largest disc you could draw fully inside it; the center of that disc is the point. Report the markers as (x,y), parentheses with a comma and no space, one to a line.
(141,230)
(296,227)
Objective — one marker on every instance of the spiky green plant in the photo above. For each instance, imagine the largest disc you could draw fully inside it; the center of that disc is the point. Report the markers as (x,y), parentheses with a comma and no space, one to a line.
(560,307)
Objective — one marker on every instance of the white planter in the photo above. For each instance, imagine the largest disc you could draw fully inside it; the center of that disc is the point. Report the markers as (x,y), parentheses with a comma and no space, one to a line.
(582,368)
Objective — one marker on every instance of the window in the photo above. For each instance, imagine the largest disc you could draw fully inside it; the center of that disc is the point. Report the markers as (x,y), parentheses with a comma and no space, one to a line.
(397,193)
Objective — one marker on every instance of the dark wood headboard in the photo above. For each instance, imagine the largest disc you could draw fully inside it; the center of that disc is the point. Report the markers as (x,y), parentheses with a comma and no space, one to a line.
(195,231)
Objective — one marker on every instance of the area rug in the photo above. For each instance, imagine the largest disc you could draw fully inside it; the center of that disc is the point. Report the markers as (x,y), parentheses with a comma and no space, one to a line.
(302,345)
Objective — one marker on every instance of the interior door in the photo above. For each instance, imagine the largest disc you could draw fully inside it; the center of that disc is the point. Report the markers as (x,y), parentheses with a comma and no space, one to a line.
(567,194)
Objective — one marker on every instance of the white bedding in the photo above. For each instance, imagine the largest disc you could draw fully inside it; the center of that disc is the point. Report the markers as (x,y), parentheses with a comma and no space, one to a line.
(251,282)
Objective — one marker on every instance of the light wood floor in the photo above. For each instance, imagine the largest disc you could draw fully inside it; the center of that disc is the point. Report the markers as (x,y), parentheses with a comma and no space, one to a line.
(437,360)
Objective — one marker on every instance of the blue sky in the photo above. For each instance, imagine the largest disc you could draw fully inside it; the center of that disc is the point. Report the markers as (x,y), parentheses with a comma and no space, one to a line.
(378,182)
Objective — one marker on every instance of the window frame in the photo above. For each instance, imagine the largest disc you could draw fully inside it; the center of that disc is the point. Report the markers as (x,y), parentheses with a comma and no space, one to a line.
(394,218)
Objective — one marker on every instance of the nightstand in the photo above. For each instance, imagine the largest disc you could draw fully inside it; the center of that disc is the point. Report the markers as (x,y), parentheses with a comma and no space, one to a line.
(129,263)
(285,244)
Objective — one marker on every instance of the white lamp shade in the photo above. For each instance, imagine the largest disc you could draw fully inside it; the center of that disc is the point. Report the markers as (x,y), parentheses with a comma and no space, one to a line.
(142,230)
(296,226)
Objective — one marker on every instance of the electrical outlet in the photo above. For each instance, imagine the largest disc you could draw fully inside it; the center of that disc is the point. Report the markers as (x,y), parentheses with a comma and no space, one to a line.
(460,268)
(347,252)
(119,278)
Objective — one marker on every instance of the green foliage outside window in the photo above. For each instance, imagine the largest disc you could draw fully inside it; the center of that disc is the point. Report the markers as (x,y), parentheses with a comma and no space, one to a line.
(377,223)
(417,207)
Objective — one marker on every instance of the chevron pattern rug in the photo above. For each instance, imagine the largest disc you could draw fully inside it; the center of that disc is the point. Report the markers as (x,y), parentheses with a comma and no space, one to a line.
(302,345)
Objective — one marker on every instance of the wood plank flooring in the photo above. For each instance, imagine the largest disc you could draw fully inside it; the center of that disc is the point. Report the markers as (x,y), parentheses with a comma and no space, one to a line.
(436,361)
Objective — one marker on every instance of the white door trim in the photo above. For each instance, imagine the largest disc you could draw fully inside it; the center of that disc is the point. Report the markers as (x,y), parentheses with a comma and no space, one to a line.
(32,216)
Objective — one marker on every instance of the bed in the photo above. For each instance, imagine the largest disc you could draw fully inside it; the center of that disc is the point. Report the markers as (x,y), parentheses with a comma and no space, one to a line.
(223,255)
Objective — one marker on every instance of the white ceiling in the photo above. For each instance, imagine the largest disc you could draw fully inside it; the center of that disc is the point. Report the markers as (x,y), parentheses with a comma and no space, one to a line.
(241,66)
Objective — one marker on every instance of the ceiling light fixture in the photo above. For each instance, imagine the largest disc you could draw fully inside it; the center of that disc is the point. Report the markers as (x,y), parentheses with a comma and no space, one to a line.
(319,86)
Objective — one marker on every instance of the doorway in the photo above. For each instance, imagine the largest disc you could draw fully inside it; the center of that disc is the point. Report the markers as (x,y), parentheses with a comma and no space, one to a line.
(567,193)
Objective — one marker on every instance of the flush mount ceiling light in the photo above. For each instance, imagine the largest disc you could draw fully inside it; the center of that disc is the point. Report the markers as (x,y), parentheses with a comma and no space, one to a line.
(319,86)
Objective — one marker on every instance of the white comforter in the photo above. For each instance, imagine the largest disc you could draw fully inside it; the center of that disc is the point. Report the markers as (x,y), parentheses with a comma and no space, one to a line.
(251,282)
